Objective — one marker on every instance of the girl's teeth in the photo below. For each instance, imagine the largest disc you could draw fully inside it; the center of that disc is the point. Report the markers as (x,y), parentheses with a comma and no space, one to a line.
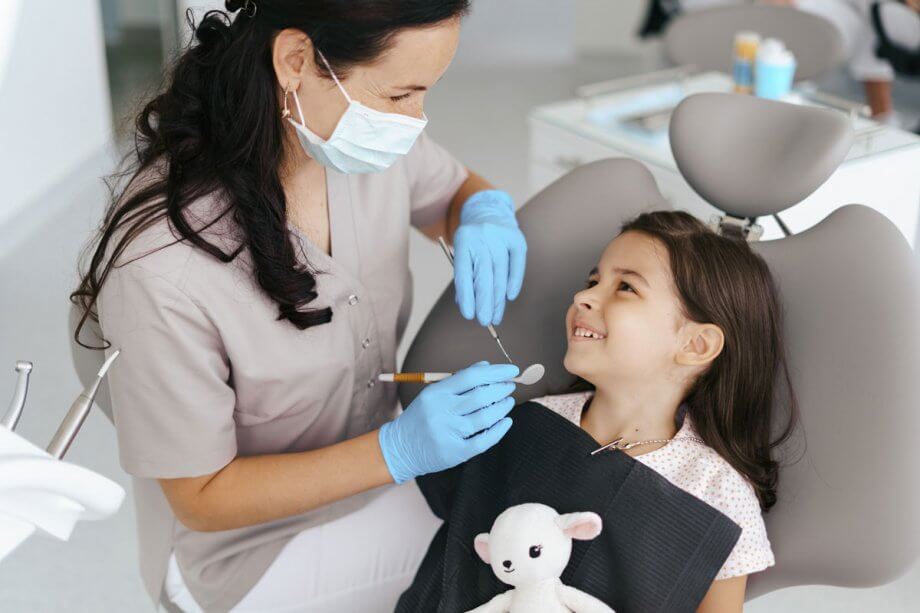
(587,334)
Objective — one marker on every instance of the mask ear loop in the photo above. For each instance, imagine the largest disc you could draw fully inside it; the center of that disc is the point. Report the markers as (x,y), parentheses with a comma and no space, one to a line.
(329,68)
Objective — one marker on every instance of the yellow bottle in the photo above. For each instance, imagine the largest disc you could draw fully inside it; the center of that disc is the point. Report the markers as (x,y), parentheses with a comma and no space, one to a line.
(746,44)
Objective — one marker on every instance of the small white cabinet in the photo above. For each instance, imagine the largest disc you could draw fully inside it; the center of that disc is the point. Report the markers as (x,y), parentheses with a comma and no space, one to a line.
(882,169)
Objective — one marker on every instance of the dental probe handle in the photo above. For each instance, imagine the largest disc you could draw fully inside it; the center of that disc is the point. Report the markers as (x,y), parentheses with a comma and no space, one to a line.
(414,377)
(423,377)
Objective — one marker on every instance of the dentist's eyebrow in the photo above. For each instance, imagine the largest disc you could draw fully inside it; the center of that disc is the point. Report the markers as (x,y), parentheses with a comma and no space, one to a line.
(417,88)
(624,272)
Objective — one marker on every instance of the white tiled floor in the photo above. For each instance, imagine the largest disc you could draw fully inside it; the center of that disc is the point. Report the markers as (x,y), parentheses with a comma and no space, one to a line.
(480,114)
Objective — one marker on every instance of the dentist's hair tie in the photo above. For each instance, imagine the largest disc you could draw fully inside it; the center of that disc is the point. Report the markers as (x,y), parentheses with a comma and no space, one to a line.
(248,7)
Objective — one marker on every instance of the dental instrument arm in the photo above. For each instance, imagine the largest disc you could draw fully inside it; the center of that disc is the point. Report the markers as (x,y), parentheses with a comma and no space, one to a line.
(18,402)
(79,410)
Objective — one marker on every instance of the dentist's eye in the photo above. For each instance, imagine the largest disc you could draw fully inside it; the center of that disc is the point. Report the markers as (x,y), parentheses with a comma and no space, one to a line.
(398,98)
(590,283)
(535,551)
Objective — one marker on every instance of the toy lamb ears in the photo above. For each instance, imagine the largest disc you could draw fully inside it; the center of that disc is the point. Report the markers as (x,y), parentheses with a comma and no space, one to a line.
(528,548)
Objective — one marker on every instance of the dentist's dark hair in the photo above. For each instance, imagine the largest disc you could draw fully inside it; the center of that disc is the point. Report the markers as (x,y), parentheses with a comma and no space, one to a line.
(734,403)
(216,128)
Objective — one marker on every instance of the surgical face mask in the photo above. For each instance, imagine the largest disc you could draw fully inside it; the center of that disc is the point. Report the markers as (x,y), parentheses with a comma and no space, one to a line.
(364,140)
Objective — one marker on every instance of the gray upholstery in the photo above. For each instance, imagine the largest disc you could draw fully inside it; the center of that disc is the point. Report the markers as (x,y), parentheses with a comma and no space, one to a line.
(846,511)
(705,38)
(772,157)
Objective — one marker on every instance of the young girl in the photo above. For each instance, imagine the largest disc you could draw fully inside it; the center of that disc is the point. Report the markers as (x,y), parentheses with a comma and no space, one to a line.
(676,343)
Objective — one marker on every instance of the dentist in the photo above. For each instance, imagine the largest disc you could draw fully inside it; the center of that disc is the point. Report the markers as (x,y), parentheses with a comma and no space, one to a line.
(253,270)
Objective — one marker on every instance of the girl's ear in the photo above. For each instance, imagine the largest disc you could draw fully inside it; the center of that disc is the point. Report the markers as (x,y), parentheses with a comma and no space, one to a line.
(481,545)
(704,345)
(582,526)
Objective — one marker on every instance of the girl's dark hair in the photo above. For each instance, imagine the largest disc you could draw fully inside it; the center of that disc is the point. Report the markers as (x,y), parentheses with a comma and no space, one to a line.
(217,129)
(720,280)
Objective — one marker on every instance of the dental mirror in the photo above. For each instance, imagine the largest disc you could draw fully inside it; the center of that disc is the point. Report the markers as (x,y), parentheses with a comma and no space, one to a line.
(531,374)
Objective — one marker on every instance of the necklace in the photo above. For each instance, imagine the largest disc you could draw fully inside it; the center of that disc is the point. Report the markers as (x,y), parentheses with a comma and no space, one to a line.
(623,445)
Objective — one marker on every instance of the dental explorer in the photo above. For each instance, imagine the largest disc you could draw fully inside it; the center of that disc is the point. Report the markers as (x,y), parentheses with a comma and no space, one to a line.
(450,256)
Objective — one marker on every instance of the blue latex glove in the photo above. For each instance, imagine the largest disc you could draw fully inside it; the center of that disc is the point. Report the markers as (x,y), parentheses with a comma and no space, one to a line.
(490,254)
(436,431)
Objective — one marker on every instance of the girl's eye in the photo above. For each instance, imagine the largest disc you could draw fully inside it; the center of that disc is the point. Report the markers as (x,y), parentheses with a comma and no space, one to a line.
(535,551)
(398,98)
(591,283)
(624,283)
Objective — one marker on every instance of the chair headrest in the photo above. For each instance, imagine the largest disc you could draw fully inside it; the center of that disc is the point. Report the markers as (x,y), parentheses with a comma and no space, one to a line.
(705,38)
(752,157)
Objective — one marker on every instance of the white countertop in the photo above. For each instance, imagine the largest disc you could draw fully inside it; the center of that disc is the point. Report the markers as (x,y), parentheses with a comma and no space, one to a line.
(600,119)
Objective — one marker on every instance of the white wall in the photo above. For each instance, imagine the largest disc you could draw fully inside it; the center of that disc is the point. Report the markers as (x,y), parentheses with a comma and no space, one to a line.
(518,32)
(606,26)
(9,13)
(54,103)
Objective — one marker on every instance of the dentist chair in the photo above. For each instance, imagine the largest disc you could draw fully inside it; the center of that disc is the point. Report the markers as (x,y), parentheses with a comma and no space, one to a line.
(705,38)
(847,503)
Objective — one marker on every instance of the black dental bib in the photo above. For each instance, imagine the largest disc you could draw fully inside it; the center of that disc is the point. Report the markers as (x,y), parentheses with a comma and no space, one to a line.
(659,550)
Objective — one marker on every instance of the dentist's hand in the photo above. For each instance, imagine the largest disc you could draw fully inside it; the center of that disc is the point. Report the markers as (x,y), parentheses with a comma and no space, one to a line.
(431,434)
(489,256)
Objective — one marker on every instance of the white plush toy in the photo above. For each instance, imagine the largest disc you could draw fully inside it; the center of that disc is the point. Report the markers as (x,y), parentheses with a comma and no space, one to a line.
(528,548)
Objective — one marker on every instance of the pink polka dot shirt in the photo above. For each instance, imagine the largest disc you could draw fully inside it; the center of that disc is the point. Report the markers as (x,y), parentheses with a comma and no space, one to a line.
(696,468)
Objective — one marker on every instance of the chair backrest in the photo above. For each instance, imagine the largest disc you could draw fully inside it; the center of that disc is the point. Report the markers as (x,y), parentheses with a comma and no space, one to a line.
(567,225)
(705,38)
(846,511)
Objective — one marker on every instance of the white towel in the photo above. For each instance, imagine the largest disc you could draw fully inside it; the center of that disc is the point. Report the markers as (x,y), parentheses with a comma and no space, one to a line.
(39,491)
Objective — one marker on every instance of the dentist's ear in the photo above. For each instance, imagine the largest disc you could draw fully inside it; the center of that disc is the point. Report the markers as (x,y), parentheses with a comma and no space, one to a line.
(704,345)
(481,545)
(292,54)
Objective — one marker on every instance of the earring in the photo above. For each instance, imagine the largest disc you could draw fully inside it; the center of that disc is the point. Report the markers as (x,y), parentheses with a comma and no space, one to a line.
(285,111)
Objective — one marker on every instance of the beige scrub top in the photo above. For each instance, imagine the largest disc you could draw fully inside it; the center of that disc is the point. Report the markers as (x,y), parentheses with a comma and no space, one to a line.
(207,372)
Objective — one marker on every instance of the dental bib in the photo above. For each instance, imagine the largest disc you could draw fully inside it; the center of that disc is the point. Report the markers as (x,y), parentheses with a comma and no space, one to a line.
(659,550)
